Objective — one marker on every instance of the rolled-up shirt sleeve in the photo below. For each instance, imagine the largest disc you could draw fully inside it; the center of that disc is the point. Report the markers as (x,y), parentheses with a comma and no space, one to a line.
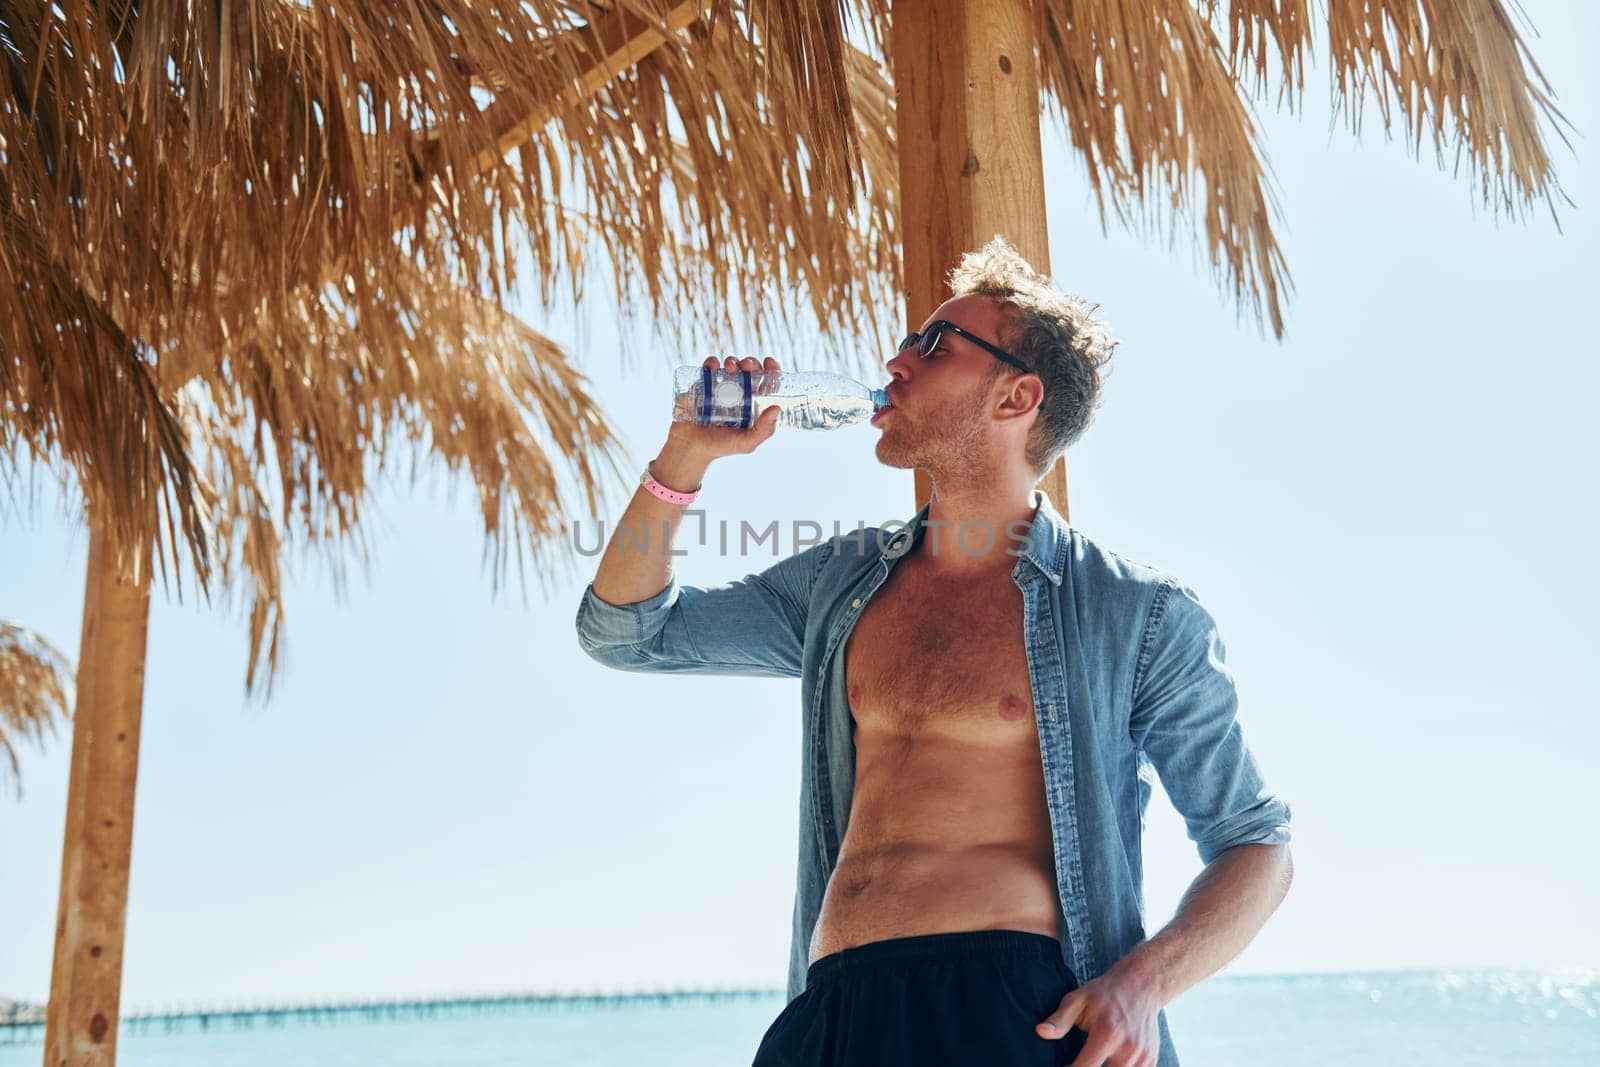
(1185,722)
(753,625)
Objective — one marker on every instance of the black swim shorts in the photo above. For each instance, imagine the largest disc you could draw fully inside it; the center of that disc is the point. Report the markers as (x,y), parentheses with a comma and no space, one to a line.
(965,999)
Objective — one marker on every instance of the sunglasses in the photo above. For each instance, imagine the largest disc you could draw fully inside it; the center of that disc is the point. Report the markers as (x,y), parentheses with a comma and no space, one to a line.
(927,340)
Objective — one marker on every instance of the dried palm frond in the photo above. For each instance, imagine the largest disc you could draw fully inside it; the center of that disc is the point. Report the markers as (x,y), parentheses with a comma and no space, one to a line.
(289,456)
(34,682)
(1157,107)
(1263,34)
(1149,100)
(1457,73)
(703,162)
(74,387)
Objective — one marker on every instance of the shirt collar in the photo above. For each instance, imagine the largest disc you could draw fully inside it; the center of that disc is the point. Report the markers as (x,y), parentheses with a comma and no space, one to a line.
(1044,546)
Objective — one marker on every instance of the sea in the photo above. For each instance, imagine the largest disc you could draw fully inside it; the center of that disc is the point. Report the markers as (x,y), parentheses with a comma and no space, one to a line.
(1492,1018)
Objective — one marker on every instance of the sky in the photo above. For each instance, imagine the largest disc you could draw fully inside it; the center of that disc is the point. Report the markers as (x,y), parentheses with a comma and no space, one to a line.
(1391,513)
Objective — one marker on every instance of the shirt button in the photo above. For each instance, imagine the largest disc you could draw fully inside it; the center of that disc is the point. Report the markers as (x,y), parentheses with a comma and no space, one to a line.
(856,603)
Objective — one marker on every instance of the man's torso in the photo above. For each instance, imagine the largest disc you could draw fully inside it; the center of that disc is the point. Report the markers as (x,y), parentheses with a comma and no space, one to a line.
(949,827)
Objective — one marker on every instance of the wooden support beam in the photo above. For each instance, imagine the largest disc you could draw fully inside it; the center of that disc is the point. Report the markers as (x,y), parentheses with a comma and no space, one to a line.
(86,974)
(971,164)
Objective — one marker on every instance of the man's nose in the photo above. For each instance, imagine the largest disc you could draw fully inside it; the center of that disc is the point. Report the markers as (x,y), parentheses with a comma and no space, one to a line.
(897,366)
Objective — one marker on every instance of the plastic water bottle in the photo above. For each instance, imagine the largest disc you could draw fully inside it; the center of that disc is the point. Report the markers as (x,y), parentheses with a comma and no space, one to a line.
(810,400)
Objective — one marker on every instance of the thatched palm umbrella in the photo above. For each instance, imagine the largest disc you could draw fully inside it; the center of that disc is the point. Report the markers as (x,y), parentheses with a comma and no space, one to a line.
(245,247)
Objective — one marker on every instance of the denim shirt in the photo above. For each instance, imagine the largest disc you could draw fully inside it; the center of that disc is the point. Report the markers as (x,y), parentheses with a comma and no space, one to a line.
(1128,677)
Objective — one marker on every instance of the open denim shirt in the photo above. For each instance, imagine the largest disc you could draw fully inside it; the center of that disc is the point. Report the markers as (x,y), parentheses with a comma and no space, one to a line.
(1128,677)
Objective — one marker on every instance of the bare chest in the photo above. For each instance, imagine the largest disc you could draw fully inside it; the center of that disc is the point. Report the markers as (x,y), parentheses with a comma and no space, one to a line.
(942,657)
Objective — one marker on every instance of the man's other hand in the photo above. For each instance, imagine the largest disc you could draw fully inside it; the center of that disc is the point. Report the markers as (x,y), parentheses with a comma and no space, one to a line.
(1118,1012)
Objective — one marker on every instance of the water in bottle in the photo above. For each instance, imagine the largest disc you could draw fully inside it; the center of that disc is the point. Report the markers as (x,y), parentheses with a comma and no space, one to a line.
(809,400)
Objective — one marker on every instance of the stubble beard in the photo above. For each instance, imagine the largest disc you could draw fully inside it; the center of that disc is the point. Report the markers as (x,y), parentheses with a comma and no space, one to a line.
(943,444)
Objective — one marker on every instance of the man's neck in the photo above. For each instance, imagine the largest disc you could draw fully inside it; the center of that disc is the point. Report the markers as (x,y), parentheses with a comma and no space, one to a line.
(971,523)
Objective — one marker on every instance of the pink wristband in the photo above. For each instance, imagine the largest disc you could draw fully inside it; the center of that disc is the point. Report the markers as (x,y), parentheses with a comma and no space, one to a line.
(661,492)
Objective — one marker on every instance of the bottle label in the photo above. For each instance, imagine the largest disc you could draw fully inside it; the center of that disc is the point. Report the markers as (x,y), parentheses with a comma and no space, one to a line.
(729,402)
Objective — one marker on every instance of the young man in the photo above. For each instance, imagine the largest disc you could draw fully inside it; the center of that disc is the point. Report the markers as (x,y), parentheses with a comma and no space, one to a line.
(985,694)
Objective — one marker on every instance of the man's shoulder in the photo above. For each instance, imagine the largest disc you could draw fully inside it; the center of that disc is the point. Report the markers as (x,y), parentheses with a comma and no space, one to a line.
(1126,597)
(1093,560)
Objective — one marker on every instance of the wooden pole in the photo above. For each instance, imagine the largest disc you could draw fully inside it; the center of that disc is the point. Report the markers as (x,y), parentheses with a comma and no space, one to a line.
(971,166)
(86,975)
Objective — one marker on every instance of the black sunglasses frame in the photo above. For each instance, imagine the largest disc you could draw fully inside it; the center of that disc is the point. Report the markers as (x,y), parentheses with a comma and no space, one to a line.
(928,339)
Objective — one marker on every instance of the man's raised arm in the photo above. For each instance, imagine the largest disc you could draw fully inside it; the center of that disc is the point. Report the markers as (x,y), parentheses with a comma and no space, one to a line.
(636,616)
(636,564)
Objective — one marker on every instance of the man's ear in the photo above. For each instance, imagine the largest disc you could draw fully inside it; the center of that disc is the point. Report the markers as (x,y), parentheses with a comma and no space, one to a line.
(1023,393)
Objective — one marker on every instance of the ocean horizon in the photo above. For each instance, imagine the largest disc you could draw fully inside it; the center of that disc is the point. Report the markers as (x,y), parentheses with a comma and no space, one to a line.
(1424,1018)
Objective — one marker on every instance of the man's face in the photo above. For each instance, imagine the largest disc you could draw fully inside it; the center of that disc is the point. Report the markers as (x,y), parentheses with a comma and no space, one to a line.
(940,419)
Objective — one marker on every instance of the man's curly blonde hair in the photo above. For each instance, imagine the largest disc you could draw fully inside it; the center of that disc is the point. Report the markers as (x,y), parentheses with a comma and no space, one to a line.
(1054,333)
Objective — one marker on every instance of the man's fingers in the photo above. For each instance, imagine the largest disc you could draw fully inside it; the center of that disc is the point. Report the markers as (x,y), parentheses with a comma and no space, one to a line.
(750,363)
(765,425)
(1058,1022)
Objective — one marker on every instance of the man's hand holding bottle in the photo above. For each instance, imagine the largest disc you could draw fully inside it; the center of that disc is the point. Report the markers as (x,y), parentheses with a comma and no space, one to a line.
(690,447)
